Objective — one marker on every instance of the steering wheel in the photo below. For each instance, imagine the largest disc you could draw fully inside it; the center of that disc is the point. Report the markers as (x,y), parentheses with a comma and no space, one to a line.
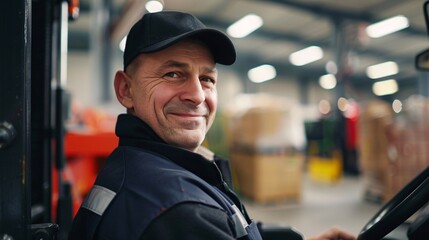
(404,204)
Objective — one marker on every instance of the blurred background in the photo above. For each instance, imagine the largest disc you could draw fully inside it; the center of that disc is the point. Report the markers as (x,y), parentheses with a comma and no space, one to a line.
(324,108)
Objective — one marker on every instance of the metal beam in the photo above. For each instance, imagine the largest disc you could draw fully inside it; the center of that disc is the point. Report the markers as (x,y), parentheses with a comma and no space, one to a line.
(41,75)
(15,92)
(331,12)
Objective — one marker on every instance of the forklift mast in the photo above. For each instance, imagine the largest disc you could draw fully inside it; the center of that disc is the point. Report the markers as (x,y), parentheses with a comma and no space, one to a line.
(15,90)
(32,65)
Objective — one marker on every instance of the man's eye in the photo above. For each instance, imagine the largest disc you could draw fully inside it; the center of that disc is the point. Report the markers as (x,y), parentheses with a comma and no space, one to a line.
(171,74)
(209,80)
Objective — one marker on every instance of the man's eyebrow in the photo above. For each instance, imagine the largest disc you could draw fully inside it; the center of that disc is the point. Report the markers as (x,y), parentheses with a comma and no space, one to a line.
(173,63)
(211,69)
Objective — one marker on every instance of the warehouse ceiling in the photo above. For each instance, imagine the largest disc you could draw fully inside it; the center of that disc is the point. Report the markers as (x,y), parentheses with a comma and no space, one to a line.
(338,27)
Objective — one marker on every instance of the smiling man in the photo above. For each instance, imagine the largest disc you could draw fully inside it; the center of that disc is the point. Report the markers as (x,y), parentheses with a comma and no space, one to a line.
(173,90)
(159,183)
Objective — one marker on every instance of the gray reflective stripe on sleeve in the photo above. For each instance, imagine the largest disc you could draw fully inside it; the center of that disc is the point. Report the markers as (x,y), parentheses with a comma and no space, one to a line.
(98,199)
(239,222)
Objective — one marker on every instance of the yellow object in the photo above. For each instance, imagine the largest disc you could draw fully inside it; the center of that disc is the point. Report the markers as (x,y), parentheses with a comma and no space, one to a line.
(326,170)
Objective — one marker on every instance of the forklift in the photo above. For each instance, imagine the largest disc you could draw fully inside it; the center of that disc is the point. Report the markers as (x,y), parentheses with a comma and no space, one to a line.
(34,106)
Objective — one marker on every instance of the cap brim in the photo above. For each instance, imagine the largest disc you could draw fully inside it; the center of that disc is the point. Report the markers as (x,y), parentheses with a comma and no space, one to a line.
(219,44)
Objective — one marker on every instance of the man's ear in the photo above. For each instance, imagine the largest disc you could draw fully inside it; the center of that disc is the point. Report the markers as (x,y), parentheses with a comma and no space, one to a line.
(123,90)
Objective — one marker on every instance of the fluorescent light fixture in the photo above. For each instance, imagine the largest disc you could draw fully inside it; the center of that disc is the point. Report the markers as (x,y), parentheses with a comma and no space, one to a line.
(262,73)
(328,81)
(306,56)
(122,44)
(385,87)
(382,70)
(154,6)
(245,26)
(387,26)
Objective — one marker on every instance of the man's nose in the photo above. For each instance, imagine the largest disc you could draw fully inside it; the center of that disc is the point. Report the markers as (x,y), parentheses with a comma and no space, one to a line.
(193,91)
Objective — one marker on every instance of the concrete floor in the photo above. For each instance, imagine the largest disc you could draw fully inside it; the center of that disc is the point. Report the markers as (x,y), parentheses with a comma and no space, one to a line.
(322,205)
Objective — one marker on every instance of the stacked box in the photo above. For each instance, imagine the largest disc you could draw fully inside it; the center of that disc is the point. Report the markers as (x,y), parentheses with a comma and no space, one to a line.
(393,150)
(265,123)
(264,138)
(268,177)
(260,129)
(373,146)
(409,145)
(373,143)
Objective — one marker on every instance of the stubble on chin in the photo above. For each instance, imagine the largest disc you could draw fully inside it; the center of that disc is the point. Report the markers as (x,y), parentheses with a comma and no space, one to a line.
(189,139)
(182,132)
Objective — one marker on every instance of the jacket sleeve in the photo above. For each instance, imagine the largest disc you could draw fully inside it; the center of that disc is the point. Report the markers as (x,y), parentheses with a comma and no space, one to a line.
(189,221)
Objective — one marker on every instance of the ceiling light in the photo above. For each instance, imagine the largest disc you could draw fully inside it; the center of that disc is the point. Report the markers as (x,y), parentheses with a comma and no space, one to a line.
(306,56)
(154,6)
(245,26)
(328,81)
(382,70)
(387,26)
(397,106)
(385,87)
(122,44)
(262,73)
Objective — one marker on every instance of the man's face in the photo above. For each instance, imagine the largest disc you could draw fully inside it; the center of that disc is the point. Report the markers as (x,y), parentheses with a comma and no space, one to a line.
(174,91)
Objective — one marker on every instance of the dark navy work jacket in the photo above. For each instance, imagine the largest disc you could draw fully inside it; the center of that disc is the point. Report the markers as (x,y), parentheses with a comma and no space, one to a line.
(143,178)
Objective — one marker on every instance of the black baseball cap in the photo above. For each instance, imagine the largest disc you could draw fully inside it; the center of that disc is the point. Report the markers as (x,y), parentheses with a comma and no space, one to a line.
(156,31)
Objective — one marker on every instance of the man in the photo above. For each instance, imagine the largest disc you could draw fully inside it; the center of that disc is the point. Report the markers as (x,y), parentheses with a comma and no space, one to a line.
(156,184)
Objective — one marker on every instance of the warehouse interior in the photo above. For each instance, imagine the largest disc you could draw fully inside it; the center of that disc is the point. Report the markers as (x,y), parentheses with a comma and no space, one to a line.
(337,30)
(317,144)
(312,143)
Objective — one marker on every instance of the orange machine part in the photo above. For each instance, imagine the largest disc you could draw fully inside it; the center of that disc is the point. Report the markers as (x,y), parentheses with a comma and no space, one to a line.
(85,153)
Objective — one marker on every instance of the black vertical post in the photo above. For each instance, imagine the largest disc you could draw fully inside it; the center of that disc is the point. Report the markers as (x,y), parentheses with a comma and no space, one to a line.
(64,206)
(15,93)
(303,90)
(423,83)
(340,58)
(102,40)
(41,136)
(344,39)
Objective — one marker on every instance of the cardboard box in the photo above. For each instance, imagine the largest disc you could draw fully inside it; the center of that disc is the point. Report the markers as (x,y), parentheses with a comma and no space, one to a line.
(260,129)
(373,142)
(411,156)
(373,148)
(268,177)
(393,150)
(264,123)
